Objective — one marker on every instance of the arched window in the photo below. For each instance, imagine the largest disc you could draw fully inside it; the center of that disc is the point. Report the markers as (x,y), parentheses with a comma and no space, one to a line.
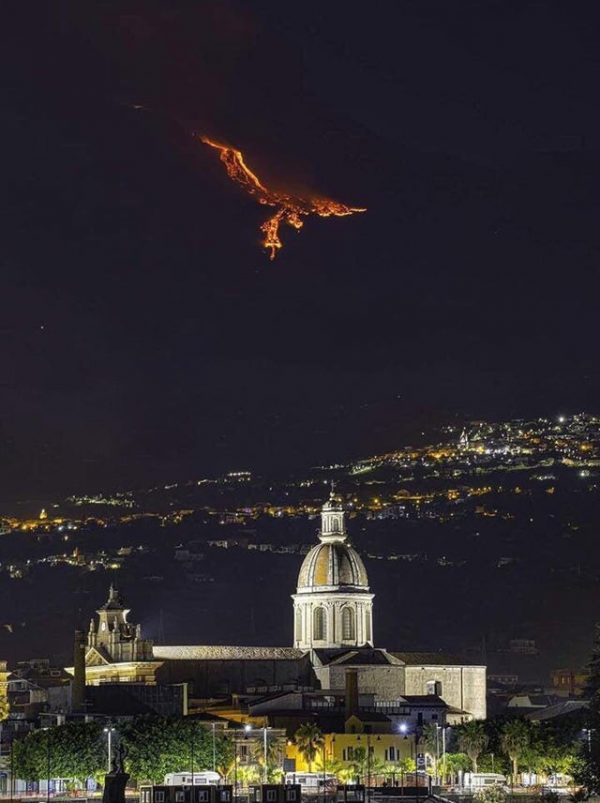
(348,627)
(298,624)
(319,624)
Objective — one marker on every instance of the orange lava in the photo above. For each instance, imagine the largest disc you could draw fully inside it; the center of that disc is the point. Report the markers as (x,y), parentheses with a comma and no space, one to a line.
(289,208)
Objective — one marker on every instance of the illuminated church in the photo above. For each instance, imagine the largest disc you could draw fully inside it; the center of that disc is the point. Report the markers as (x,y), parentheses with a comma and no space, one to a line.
(333,633)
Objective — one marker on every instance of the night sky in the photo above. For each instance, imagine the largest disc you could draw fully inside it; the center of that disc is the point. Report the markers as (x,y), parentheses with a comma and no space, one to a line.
(144,333)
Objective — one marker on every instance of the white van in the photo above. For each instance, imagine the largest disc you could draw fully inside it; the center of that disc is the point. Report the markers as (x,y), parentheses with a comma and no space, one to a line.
(205,778)
(479,780)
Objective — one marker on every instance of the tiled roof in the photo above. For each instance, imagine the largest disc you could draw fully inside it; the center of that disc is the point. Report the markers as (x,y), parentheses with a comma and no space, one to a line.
(212,653)
(360,656)
(433,659)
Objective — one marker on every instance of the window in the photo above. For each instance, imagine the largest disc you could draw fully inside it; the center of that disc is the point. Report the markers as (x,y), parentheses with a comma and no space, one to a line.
(203,795)
(291,795)
(434,687)
(271,796)
(298,624)
(225,796)
(348,629)
(159,797)
(319,624)
(179,797)
(368,626)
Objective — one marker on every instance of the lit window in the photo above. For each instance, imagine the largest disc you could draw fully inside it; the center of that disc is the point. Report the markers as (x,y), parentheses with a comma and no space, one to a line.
(319,624)
(348,629)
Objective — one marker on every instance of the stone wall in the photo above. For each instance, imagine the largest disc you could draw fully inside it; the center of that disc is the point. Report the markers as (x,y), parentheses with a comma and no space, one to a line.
(463,687)
(385,682)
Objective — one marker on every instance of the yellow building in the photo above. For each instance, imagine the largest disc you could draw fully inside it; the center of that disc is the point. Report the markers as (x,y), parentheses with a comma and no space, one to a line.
(342,748)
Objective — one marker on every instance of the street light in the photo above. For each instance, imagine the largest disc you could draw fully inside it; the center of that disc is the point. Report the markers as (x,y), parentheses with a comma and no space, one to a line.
(403,729)
(437,755)
(109,730)
(214,745)
(48,756)
(247,729)
(265,751)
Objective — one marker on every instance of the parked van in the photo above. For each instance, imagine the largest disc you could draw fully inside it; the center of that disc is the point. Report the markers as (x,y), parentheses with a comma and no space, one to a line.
(479,780)
(206,778)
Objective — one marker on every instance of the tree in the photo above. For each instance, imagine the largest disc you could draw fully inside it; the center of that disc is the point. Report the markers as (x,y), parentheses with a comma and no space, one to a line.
(158,745)
(453,764)
(331,765)
(592,689)
(515,739)
(398,769)
(76,750)
(309,741)
(472,740)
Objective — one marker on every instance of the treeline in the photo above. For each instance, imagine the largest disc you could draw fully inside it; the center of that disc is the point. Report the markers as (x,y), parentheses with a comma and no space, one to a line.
(152,746)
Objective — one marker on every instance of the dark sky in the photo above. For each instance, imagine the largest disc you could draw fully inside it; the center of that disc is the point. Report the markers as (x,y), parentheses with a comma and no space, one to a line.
(145,335)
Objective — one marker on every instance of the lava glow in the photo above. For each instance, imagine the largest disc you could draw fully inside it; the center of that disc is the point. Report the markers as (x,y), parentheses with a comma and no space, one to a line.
(290,209)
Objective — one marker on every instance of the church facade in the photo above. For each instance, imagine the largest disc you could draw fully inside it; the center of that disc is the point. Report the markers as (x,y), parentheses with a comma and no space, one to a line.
(333,633)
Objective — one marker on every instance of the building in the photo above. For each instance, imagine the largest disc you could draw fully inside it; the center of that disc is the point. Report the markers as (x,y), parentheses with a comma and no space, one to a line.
(333,634)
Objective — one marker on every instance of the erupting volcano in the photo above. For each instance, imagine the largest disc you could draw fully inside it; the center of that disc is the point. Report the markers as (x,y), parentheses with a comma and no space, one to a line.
(290,209)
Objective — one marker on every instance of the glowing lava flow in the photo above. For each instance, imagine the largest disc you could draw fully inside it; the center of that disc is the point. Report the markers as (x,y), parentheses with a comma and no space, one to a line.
(290,208)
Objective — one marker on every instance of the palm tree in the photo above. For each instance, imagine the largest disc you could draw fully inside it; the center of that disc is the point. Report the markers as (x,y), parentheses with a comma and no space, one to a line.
(473,740)
(454,763)
(309,741)
(431,741)
(330,765)
(516,739)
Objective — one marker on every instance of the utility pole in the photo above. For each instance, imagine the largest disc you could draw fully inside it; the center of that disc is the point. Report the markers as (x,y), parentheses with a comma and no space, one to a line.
(265,771)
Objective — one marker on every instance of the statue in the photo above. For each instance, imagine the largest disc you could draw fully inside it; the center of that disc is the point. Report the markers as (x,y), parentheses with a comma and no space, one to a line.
(115,781)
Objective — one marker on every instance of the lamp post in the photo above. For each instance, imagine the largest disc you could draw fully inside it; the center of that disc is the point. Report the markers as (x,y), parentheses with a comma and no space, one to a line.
(48,764)
(247,729)
(403,728)
(265,751)
(214,746)
(417,739)
(437,755)
(368,766)
(12,771)
(192,745)
(109,730)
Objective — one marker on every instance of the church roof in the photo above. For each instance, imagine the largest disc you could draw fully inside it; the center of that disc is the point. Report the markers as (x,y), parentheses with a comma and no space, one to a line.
(226,653)
(333,564)
(433,659)
(359,656)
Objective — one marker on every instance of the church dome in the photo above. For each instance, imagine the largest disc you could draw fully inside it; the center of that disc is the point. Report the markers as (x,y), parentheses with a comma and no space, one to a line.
(332,564)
